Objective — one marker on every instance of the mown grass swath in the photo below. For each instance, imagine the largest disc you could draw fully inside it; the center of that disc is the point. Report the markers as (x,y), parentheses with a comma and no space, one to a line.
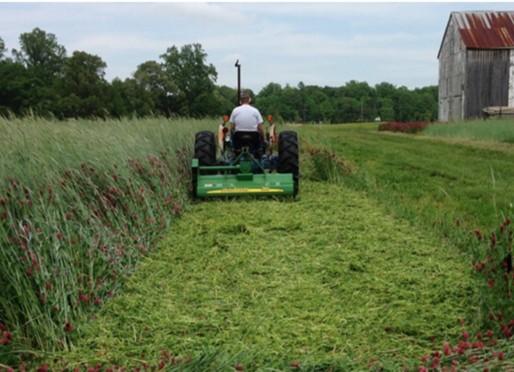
(460,189)
(329,281)
(80,202)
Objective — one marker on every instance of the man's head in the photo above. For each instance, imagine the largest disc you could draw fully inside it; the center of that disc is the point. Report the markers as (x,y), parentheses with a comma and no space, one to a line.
(245,98)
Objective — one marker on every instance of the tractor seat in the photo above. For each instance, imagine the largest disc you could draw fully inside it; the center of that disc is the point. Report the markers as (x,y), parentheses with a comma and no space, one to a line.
(251,140)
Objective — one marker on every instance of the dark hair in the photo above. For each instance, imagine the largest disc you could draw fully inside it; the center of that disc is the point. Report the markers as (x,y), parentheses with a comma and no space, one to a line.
(245,97)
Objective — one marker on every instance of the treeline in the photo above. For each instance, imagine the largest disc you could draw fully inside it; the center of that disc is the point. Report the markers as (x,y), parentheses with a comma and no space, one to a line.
(40,78)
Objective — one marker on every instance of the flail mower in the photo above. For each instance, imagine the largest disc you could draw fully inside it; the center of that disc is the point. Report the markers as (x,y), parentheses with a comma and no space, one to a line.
(247,163)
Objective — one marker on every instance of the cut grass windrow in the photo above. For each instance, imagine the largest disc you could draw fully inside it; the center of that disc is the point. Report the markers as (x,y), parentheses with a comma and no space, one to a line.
(328,280)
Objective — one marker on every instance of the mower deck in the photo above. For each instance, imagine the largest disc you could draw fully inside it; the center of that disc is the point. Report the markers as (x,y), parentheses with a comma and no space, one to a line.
(229,181)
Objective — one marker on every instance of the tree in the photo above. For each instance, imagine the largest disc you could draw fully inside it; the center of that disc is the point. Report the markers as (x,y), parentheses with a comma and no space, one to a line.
(118,105)
(386,110)
(226,97)
(385,90)
(194,78)
(15,90)
(327,110)
(405,105)
(83,86)
(128,98)
(151,76)
(42,80)
(43,57)
(2,48)
(40,50)
(346,110)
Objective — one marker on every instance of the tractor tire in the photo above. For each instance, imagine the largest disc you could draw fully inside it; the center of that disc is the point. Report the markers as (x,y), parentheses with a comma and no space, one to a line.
(288,156)
(205,148)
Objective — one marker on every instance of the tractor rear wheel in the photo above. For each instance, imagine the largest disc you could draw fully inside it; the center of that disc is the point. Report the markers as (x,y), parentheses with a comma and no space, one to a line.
(205,148)
(288,156)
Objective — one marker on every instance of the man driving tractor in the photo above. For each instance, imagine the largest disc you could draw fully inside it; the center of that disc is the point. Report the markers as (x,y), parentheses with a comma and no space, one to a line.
(246,118)
(243,166)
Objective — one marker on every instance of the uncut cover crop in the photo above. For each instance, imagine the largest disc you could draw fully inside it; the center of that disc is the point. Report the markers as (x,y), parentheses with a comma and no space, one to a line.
(491,130)
(80,203)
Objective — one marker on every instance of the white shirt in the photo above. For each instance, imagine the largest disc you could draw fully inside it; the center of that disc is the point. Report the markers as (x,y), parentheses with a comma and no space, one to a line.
(246,118)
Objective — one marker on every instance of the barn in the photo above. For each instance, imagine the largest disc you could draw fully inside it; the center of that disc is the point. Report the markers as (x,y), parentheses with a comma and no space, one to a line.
(476,64)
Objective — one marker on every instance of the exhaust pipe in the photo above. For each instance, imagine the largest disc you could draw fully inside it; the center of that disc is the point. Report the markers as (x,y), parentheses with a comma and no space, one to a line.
(238,66)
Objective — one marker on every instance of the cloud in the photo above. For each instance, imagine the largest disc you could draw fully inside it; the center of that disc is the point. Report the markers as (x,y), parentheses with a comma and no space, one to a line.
(209,13)
(316,43)
(119,43)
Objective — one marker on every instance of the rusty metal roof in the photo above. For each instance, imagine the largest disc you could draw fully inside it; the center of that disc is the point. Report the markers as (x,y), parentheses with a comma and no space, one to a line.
(484,29)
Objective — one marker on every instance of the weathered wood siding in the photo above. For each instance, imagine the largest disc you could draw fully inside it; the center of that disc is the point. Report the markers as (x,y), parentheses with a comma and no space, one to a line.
(511,79)
(452,62)
(487,80)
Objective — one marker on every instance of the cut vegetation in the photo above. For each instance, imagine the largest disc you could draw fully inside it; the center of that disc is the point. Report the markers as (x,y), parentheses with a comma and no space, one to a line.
(433,183)
(327,280)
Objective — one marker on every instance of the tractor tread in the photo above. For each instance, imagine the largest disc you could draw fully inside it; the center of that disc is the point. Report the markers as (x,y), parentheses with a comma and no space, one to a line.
(205,148)
(288,156)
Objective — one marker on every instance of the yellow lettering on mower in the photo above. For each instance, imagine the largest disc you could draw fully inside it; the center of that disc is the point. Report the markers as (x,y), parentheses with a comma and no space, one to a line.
(243,191)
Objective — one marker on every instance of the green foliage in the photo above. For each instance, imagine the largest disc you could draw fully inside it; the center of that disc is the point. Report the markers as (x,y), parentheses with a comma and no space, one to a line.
(151,77)
(40,52)
(225,98)
(406,284)
(353,102)
(43,81)
(128,98)
(83,87)
(192,76)
(386,110)
(43,58)
(16,88)
(2,48)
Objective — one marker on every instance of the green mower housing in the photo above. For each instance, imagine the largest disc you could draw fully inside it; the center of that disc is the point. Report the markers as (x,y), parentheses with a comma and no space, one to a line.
(245,173)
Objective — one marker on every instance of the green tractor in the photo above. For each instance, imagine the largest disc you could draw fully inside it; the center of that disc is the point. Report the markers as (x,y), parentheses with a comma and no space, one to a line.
(247,164)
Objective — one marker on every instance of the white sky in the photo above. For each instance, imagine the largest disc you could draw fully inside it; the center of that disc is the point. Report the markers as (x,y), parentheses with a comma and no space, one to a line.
(323,44)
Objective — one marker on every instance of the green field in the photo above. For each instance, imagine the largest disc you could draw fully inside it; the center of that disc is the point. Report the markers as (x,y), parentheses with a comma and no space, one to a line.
(369,268)
(496,130)
(423,179)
